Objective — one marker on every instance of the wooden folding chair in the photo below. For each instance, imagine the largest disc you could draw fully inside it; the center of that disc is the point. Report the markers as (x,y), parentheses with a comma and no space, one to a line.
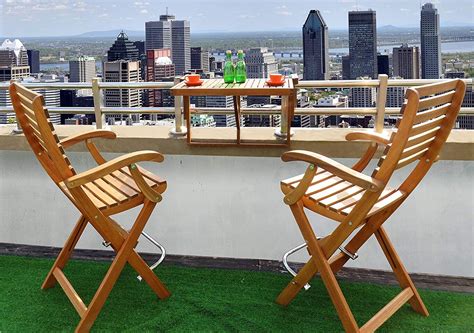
(111,187)
(362,203)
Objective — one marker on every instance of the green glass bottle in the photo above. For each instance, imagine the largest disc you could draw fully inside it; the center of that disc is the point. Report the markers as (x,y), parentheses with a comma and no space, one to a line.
(240,68)
(229,70)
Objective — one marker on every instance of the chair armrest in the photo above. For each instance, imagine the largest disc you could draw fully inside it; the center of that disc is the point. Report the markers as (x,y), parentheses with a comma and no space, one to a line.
(74,139)
(368,136)
(338,169)
(113,165)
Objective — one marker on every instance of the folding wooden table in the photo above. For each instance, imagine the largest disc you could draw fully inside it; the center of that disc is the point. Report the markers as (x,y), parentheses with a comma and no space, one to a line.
(251,87)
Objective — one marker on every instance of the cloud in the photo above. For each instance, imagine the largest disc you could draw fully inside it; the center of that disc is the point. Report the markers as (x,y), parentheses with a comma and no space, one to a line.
(283,10)
(144,11)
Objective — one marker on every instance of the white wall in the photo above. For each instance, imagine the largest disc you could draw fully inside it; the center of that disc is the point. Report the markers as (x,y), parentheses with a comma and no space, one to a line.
(232,207)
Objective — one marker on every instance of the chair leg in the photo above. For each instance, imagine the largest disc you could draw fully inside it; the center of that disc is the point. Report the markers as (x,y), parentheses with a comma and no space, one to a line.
(400,272)
(321,262)
(147,274)
(125,252)
(66,252)
(304,275)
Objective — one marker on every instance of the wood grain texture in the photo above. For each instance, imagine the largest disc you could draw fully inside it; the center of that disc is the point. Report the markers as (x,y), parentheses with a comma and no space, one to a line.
(342,194)
(98,193)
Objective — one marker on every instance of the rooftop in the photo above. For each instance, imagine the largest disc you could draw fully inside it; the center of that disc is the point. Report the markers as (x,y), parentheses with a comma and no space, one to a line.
(207,300)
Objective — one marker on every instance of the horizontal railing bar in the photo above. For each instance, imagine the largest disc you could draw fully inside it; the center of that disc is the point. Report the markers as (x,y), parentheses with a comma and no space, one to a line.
(167,85)
(136,85)
(369,83)
(230,111)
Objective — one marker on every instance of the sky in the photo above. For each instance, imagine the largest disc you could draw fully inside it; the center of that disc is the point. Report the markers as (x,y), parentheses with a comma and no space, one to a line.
(35,18)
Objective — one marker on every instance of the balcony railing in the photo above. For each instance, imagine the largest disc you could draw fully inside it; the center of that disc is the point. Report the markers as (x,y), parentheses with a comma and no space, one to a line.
(99,110)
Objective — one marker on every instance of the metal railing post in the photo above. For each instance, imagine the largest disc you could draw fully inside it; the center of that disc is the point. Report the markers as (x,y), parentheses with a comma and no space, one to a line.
(179,129)
(96,93)
(381,101)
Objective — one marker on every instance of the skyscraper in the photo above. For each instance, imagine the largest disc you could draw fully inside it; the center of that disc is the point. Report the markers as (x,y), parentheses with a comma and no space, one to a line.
(260,63)
(158,33)
(315,47)
(171,33)
(199,59)
(159,68)
(122,71)
(430,42)
(123,49)
(406,62)
(363,44)
(180,45)
(34,60)
(383,64)
(82,69)
(13,54)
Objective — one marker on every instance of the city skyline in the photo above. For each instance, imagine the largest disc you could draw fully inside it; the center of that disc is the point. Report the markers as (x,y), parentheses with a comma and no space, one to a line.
(80,16)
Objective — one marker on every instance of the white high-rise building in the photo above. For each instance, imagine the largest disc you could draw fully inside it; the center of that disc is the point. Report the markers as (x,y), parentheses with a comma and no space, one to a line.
(122,71)
(260,63)
(82,69)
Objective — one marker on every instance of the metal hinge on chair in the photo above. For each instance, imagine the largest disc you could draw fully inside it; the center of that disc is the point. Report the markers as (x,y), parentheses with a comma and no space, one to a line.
(154,242)
(304,245)
(350,255)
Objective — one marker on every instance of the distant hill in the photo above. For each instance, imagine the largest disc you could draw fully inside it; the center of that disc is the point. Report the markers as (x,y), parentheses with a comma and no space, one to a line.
(111,33)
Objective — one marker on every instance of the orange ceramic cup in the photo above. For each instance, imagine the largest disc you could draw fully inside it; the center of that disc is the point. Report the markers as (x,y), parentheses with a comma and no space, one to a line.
(276,78)
(193,78)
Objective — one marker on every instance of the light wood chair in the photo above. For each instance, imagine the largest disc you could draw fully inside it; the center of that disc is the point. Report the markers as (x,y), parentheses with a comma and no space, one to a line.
(361,203)
(111,187)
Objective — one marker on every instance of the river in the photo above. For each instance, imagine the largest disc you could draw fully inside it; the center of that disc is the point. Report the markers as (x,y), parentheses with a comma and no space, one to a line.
(449,47)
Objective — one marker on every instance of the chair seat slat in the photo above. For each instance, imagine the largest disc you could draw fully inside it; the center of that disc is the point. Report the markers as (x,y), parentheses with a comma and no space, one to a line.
(101,195)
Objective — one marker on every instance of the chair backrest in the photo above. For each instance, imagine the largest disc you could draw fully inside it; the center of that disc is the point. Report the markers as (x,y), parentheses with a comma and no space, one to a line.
(34,120)
(428,116)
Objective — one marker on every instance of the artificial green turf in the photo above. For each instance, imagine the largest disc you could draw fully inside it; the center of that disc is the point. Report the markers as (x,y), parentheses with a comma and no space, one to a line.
(207,300)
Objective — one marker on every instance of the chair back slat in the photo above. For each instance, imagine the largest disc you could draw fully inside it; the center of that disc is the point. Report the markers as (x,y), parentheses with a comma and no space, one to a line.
(436,88)
(39,132)
(426,111)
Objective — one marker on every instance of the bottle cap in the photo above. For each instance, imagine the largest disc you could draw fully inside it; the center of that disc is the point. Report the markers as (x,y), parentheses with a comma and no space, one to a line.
(228,52)
(240,51)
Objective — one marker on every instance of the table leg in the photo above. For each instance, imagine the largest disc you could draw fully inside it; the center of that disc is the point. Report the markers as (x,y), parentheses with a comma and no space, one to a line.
(290,112)
(187,115)
(237,116)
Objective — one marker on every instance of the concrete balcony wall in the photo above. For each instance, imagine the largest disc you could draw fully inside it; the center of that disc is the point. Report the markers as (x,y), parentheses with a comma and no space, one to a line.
(232,207)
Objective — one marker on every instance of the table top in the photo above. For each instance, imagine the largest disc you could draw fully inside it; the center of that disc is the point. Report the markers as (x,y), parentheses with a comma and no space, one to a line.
(217,87)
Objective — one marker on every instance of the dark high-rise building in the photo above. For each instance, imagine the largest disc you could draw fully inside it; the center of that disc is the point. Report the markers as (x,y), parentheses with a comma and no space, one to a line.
(34,60)
(180,45)
(171,33)
(363,44)
(140,45)
(382,64)
(315,47)
(406,62)
(123,49)
(199,59)
(346,67)
(430,42)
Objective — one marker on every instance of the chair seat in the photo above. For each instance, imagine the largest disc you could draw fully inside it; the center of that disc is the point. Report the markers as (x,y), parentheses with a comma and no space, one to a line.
(335,198)
(118,191)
